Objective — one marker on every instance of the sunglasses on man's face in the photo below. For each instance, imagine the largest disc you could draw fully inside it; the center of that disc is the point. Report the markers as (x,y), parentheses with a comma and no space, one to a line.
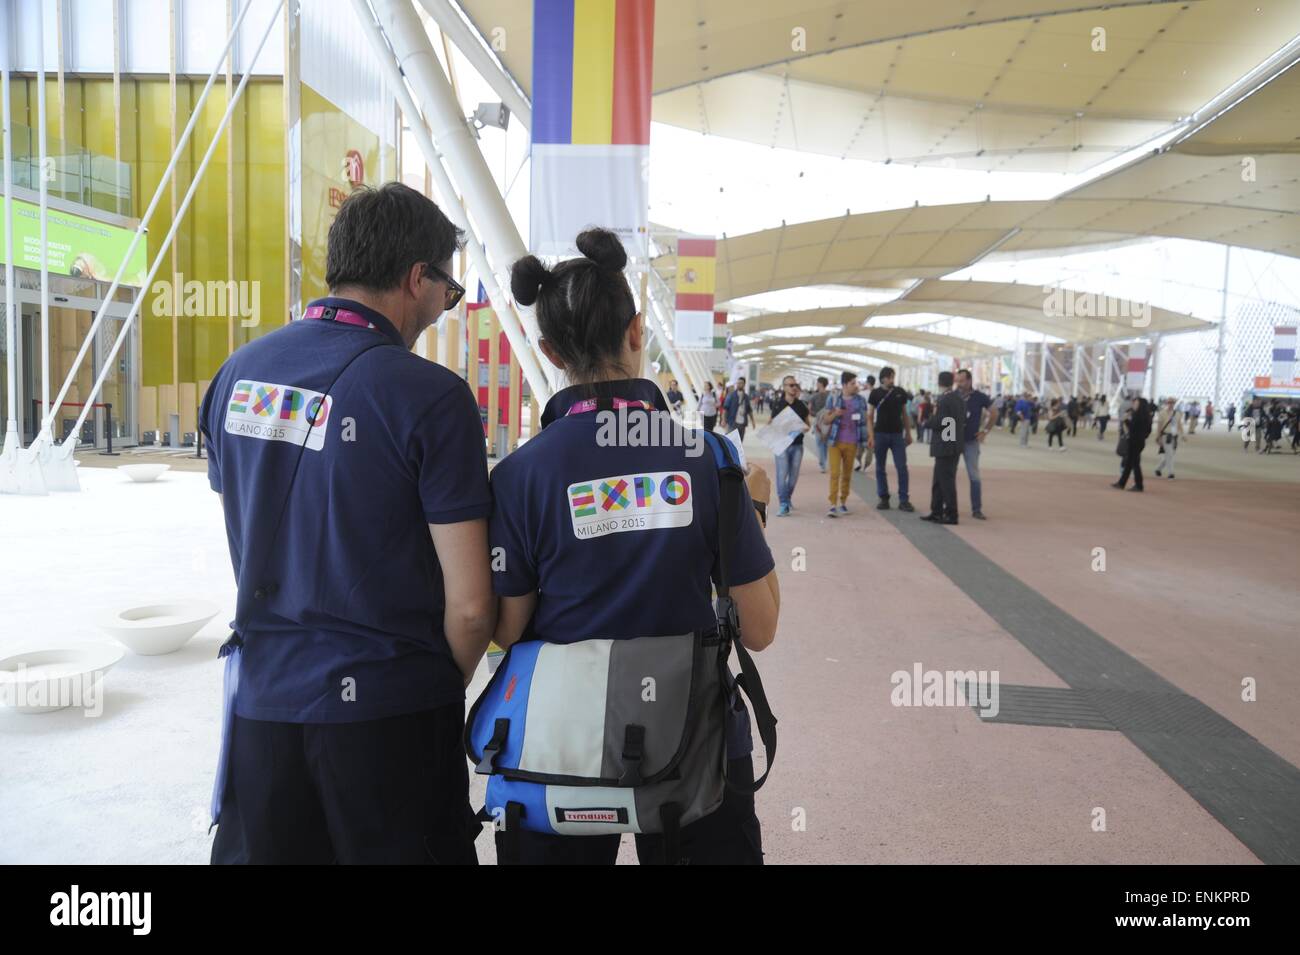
(455,291)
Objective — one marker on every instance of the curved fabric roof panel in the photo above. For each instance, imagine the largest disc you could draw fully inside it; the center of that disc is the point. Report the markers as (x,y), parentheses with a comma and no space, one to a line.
(1246,158)
(925,242)
(859,352)
(1063,313)
(988,84)
(867,249)
(855,327)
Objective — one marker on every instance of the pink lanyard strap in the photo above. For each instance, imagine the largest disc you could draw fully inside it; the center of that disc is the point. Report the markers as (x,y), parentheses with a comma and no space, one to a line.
(589,404)
(340,315)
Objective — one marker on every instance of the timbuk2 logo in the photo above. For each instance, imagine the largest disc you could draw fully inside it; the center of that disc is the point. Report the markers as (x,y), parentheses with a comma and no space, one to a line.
(612,816)
(103,908)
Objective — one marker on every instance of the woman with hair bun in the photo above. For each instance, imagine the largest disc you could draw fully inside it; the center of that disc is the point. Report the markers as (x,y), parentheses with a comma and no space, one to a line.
(602,533)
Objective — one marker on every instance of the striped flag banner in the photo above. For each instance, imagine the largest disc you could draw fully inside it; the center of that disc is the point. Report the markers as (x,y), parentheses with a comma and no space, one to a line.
(1284,340)
(1135,379)
(592,65)
(696,280)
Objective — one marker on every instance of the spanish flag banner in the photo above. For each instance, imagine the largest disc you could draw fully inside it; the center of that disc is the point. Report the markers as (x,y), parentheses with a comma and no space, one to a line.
(1136,368)
(592,73)
(696,280)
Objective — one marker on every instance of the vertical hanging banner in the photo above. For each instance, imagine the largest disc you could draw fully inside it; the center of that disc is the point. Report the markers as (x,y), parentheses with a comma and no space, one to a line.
(696,276)
(1136,376)
(720,359)
(482,371)
(592,73)
(1284,338)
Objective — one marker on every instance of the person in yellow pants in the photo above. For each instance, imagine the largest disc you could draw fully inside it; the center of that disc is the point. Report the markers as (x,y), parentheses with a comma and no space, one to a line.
(842,455)
(847,415)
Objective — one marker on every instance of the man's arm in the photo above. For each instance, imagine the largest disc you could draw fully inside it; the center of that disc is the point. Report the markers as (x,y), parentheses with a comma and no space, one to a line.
(758,605)
(470,614)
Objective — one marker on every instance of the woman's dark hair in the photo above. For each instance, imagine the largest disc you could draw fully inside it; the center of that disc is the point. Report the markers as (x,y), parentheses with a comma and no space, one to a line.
(379,234)
(583,305)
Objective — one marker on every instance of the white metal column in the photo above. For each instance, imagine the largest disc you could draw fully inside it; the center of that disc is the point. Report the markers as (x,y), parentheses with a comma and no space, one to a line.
(450,133)
(537,373)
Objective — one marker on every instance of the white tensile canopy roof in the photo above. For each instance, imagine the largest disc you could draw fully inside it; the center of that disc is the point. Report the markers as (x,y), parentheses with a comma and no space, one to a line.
(873,249)
(985,84)
(1246,158)
(1197,188)
(1001,85)
(844,331)
(1031,308)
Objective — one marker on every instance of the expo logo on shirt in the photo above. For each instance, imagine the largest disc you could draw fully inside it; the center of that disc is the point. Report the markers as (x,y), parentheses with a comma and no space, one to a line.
(259,409)
(630,502)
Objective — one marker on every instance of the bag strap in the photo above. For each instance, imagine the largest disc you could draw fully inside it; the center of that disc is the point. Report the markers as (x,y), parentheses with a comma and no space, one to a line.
(241,599)
(730,478)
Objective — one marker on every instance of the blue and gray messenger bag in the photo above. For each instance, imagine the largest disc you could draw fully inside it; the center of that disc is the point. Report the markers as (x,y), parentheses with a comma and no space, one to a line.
(610,736)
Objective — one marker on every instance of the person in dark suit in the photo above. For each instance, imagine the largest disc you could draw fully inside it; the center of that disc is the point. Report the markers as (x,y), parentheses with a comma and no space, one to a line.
(947,436)
(1137,428)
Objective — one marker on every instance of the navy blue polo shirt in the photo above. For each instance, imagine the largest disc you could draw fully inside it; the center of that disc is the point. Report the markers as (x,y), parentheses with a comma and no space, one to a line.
(976,402)
(618,540)
(341,609)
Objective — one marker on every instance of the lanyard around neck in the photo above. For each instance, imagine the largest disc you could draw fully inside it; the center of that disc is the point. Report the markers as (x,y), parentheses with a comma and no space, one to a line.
(591,404)
(331,314)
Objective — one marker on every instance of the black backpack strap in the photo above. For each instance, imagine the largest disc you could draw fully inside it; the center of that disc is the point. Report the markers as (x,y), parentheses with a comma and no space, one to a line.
(730,479)
(752,684)
(241,595)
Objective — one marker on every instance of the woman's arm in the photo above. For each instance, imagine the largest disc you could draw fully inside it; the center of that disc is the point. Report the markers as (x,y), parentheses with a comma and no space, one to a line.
(513,614)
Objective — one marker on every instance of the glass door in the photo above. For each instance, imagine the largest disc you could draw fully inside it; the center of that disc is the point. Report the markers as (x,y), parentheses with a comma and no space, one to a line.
(71,316)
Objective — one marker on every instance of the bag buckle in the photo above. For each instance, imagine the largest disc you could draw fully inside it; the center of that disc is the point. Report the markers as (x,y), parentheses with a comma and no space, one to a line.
(487,762)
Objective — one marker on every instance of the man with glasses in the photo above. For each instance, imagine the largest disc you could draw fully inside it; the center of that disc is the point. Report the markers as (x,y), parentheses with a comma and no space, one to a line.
(789,461)
(454,290)
(353,477)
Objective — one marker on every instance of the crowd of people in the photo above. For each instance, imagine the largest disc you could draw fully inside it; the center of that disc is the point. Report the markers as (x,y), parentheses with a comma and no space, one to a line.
(858,422)
(1266,424)
(852,426)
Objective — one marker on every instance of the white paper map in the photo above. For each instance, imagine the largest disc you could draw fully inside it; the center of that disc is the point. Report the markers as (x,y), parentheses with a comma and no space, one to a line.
(777,433)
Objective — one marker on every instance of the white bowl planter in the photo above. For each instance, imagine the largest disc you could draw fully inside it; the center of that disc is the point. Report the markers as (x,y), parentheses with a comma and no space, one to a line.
(143,473)
(159,628)
(42,681)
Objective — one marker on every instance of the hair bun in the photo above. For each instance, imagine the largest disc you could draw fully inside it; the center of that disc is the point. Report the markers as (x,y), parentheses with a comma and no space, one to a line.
(527,278)
(603,247)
